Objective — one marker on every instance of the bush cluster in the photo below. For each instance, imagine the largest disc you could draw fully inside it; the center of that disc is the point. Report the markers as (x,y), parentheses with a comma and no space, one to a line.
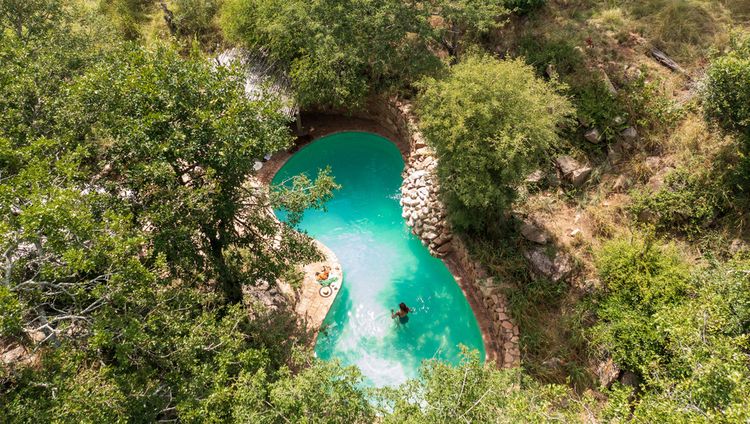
(682,329)
(688,203)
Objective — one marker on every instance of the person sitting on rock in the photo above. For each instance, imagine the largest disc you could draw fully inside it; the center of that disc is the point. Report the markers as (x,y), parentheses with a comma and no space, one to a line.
(402,313)
(323,274)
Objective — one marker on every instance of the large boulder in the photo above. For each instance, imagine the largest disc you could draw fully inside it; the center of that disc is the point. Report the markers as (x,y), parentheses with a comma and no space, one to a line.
(572,171)
(554,266)
(580,176)
(567,165)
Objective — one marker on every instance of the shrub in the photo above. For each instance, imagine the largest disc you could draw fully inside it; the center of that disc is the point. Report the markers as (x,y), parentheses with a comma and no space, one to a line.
(687,204)
(647,106)
(11,313)
(523,7)
(639,279)
(336,53)
(696,369)
(598,108)
(127,15)
(194,17)
(561,54)
(726,96)
(489,121)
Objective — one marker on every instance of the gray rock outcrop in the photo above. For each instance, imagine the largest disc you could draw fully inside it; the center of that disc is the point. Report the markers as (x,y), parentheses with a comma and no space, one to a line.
(572,171)
(555,266)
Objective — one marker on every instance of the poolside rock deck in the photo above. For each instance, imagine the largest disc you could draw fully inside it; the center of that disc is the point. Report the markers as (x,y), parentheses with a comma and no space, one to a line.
(312,306)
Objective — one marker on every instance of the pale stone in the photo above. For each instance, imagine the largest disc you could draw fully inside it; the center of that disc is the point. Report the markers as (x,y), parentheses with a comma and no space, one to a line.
(580,176)
(567,164)
(629,133)
(430,235)
(593,136)
(607,371)
(556,268)
(533,233)
(535,177)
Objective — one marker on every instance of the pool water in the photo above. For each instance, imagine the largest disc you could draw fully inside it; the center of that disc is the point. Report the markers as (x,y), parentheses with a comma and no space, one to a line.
(383,263)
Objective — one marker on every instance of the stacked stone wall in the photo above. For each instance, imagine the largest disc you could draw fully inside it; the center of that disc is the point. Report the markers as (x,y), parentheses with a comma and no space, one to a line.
(426,215)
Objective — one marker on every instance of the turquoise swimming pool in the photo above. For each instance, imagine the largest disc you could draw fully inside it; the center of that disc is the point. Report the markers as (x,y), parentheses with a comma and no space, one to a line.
(383,263)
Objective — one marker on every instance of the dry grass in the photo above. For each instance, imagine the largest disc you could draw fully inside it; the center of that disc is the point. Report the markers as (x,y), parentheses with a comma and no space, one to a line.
(613,19)
(740,9)
(693,138)
(684,29)
(601,222)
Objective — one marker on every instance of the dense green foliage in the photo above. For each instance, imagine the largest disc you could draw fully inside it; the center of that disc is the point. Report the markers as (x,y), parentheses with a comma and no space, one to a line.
(727,89)
(462,22)
(489,121)
(334,58)
(473,393)
(124,208)
(683,330)
(686,204)
(195,18)
(524,6)
(127,16)
(130,223)
(339,53)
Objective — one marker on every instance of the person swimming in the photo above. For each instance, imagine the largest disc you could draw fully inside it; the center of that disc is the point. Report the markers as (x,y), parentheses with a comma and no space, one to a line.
(402,313)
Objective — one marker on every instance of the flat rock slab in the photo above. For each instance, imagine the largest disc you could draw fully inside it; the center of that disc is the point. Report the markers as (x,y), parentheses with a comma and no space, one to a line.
(555,266)
(312,306)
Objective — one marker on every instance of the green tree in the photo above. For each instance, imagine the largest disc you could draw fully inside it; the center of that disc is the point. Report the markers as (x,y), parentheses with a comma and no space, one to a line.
(324,392)
(29,18)
(465,20)
(177,139)
(640,279)
(195,18)
(128,16)
(489,121)
(476,392)
(336,52)
(124,328)
(683,330)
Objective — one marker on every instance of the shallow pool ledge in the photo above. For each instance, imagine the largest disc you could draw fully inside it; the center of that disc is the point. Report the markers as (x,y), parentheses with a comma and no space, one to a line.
(315,299)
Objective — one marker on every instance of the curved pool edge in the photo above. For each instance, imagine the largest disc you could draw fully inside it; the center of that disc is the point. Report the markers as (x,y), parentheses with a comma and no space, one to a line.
(463,274)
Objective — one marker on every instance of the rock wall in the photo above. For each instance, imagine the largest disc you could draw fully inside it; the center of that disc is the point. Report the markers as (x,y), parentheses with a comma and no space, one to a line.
(426,215)
(422,209)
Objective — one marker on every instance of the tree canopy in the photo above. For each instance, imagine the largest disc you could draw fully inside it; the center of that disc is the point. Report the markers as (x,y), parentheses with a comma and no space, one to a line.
(489,122)
(336,53)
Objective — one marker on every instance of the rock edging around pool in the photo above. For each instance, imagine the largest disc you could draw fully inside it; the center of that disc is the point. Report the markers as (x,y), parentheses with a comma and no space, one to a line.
(426,215)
